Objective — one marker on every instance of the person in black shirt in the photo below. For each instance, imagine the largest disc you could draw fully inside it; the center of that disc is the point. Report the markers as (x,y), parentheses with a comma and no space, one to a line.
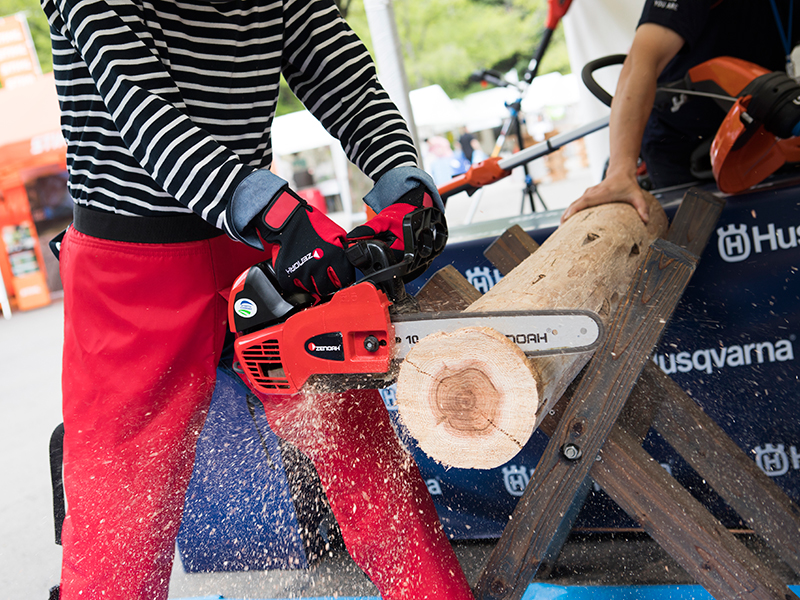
(672,37)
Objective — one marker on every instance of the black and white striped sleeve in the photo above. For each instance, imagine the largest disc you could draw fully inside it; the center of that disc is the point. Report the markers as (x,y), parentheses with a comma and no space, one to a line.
(329,69)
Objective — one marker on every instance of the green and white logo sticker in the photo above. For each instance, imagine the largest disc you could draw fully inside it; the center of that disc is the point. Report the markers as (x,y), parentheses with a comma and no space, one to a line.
(245,308)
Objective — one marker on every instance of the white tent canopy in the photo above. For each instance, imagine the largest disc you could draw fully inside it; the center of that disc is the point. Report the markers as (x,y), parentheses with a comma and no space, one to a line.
(298,131)
(434,111)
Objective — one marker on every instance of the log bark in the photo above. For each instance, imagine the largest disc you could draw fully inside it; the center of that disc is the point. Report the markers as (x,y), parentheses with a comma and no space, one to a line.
(587,263)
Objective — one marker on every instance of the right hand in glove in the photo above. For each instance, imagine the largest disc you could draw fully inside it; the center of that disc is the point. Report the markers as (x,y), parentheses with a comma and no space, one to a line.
(310,253)
(387,225)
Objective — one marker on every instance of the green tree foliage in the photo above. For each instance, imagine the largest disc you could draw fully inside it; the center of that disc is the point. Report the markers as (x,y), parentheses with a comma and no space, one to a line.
(443,41)
(37,23)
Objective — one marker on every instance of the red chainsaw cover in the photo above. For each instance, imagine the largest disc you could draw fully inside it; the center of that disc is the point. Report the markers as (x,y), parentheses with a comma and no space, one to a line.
(352,333)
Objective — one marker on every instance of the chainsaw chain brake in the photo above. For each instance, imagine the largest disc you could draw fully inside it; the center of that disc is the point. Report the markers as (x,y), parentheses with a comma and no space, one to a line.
(424,238)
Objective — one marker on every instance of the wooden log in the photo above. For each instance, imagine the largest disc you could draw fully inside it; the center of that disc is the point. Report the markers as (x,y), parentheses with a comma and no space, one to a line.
(457,399)
(587,263)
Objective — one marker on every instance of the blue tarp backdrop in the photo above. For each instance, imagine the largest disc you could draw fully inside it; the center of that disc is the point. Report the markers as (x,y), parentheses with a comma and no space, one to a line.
(731,345)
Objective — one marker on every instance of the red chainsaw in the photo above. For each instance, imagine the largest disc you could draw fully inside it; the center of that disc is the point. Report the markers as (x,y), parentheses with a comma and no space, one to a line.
(359,335)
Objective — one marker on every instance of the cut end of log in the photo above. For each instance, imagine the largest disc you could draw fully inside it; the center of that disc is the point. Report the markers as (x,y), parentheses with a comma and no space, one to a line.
(468,397)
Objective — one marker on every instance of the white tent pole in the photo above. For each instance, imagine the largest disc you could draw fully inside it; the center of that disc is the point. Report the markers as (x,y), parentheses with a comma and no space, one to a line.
(340,164)
(389,58)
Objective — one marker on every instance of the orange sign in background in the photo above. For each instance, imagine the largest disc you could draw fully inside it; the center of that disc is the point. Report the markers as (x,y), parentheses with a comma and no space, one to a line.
(30,145)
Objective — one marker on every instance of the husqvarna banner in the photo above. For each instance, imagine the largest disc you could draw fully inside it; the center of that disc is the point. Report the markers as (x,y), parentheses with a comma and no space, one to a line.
(732,346)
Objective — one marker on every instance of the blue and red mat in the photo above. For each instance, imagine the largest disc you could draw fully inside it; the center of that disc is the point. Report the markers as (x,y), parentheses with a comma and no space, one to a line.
(543,591)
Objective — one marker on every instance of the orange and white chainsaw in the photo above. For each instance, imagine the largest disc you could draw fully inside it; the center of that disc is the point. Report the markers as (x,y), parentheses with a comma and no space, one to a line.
(357,337)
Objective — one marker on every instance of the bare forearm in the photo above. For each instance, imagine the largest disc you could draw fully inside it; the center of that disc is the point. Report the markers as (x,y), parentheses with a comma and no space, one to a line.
(653,47)
(630,110)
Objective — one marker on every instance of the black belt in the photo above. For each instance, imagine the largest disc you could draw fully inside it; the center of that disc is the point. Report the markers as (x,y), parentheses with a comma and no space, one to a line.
(172,229)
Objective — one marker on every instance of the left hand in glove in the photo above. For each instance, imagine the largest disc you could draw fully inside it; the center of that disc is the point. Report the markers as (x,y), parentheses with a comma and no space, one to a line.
(310,252)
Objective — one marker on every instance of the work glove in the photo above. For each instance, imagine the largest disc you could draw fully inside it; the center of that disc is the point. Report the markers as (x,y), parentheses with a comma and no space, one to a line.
(387,225)
(309,255)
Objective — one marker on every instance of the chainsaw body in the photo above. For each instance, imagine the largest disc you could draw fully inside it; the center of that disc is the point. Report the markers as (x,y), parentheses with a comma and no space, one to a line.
(359,336)
(283,340)
(351,333)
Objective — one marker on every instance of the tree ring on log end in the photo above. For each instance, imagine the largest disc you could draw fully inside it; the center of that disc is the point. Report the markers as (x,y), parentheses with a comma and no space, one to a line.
(465,402)
(468,397)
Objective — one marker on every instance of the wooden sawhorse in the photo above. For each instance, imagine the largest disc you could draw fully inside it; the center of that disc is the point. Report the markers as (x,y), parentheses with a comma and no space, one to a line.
(591,436)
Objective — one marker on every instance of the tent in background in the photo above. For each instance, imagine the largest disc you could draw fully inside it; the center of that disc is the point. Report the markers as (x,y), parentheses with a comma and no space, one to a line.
(434,111)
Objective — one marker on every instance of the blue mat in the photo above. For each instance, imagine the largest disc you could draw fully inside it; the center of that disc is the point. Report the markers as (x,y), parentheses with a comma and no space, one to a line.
(543,591)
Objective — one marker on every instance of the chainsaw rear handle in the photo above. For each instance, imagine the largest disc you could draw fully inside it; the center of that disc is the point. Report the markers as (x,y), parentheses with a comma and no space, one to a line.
(258,301)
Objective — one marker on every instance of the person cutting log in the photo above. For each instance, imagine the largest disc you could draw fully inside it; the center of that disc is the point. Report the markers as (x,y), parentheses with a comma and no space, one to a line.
(166,110)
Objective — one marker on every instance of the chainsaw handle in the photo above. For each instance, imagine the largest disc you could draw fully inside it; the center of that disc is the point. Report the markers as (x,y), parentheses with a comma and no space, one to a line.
(485,172)
(257,300)
(424,238)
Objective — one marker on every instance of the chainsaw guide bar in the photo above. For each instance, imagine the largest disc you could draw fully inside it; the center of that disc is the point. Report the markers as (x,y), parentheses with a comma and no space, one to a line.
(537,333)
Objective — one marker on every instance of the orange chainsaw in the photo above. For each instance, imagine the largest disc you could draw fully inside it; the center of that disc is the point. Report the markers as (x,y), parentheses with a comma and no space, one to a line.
(761,129)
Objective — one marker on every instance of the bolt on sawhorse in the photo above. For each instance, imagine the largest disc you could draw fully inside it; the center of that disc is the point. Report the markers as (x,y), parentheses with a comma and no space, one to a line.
(597,429)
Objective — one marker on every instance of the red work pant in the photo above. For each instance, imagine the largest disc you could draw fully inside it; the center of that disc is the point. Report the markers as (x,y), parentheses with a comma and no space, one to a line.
(380,501)
(144,327)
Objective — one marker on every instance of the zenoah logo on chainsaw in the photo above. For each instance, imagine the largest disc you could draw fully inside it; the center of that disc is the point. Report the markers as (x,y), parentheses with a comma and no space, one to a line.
(316,254)
(327,346)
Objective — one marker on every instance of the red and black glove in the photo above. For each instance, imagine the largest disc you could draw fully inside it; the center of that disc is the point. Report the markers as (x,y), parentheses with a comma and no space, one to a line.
(311,255)
(387,225)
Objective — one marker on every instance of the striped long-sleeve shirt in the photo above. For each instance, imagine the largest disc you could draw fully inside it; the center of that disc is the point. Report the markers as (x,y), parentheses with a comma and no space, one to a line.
(167,104)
